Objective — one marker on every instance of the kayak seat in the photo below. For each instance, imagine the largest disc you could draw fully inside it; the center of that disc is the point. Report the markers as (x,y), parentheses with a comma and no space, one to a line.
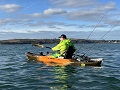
(69,52)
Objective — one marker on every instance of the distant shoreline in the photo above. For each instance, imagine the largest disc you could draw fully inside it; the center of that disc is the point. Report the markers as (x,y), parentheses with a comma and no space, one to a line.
(53,41)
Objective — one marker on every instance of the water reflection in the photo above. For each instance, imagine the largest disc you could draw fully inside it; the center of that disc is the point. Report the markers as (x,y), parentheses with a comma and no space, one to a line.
(64,78)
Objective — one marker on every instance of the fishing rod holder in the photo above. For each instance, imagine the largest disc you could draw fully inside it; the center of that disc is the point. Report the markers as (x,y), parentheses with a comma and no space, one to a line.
(81,57)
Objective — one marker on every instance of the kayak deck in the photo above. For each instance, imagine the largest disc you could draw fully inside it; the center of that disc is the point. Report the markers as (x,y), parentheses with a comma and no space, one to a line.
(62,62)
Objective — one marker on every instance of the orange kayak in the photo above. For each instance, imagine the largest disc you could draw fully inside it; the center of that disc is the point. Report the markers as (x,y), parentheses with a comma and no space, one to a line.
(62,62)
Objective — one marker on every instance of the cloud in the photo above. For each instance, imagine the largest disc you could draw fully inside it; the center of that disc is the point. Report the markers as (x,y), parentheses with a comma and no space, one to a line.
(87,10)
(111,22)
(83,15)
(10,7)
(73,3)
(91,14)
(5,21)
(107,7)
(84,4)
(100,26)
(54,11)
(50,24)
(37,15)
(46,13)
(71,15)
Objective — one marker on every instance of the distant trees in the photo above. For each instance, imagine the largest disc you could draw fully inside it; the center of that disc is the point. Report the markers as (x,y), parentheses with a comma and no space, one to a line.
(52,41)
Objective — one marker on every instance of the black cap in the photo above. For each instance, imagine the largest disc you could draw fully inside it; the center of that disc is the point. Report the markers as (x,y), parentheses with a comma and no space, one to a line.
(63,36)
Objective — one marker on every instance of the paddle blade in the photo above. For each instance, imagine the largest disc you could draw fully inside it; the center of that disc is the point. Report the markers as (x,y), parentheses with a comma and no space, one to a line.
(41,46)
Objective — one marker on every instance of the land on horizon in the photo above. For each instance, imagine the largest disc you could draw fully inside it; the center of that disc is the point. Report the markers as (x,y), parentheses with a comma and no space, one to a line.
(52,41)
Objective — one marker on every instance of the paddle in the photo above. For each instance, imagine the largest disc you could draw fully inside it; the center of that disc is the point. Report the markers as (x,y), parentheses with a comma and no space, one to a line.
(41,46)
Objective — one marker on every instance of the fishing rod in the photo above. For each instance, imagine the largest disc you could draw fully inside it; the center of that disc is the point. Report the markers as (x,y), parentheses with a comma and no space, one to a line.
(102,37)
(93,30)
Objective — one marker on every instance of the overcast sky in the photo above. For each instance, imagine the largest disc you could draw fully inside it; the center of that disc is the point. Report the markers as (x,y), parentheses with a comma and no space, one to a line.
(96,19)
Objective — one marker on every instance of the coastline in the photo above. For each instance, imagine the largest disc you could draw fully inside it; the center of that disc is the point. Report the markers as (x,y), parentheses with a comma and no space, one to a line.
(53,41)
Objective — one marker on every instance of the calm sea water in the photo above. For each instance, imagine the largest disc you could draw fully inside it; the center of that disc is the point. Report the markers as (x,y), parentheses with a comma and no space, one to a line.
(16,73)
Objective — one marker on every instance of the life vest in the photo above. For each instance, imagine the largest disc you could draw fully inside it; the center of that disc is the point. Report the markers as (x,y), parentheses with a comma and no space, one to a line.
(63,46)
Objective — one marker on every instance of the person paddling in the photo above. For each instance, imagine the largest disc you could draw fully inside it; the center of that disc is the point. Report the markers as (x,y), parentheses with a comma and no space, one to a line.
(65,47)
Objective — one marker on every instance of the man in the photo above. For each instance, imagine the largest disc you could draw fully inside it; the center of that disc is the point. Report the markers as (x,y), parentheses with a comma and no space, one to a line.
(65,47)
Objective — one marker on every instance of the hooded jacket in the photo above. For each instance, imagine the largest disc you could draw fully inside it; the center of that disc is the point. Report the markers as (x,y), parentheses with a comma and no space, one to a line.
(63,46)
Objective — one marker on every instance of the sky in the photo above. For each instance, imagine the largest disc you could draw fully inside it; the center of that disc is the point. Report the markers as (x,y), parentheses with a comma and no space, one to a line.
(36,19)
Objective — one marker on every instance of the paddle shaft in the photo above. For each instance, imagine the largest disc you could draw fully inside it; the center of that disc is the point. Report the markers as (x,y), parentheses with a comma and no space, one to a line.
(41,46)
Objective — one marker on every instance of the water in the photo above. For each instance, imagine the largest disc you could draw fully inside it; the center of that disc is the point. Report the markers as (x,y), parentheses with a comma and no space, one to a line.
(16,73)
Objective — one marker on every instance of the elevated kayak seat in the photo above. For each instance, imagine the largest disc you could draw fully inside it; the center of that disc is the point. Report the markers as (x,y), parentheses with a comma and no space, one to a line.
(69,52)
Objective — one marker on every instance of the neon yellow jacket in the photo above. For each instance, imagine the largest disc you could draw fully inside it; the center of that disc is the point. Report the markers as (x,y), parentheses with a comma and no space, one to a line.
(63,46)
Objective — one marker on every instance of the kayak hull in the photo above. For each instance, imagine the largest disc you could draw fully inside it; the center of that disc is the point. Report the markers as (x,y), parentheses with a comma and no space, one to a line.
(50,61)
